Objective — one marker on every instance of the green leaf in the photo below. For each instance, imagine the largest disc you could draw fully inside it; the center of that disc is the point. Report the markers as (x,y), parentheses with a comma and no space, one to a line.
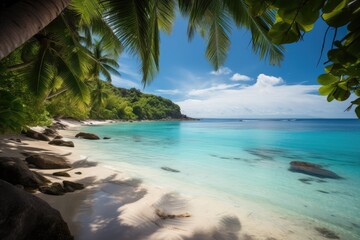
(337,18)
(334,5)
(326,89)
(357,111)
(341,94)
(357,92)
(326,79)
(356,101)
(343,85)
(283,32)
(330,98)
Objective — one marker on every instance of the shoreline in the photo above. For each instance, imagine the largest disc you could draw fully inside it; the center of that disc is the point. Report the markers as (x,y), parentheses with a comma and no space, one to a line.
(114,205)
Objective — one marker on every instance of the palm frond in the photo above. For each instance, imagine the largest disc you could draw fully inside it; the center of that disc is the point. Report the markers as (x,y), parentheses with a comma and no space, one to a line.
(86,10)
(259,27)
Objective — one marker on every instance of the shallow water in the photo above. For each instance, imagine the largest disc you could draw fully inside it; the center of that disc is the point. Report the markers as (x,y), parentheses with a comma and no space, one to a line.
(244,159)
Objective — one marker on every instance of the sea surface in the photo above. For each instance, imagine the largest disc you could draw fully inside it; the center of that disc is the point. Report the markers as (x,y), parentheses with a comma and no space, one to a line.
(230,159)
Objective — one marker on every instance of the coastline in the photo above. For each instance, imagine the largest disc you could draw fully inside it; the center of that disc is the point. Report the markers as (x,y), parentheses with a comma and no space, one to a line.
(115,206)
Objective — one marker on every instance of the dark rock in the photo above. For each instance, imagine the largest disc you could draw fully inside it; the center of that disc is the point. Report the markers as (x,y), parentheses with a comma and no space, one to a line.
(58,126)
(44,161)
(15,140)
(90,136)
(53,189)
(24,216)
(72,186)
(58,137)
(50,132)
(15,171)
(61,174)
(106,138)
(312,169)
(170,169)
(326,233)
(78,173)
(36,135)
(322,191)
(60,142)
(40,178)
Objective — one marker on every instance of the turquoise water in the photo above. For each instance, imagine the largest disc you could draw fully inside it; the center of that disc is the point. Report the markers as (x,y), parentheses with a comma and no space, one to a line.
(247,159)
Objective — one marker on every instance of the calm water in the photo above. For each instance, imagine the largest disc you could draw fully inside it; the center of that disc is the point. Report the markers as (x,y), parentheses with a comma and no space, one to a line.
(247,159)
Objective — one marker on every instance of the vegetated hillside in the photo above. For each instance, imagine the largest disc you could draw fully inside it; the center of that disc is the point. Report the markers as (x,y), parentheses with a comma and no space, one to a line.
(144,106)
(117,103)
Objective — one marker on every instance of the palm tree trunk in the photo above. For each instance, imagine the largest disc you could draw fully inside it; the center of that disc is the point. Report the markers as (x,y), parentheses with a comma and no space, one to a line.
(22,20)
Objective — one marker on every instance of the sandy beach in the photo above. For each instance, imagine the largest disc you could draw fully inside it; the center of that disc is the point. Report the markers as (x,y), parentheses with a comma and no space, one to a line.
(115,206)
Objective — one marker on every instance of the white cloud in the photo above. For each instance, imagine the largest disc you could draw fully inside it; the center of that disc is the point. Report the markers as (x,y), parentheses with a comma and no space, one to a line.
(124,83)
(268,81)
(168,91)
(214,88)
(268,97)
(221,71)
(239,77)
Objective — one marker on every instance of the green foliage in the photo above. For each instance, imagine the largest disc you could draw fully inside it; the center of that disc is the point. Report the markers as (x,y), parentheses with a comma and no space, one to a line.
(295,18)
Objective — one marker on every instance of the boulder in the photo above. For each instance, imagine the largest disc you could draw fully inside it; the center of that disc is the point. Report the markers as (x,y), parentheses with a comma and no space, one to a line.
(72,186)
(53,189)
(16,172)
(61,174)
(90,136)
(36,135)
(62,143)
(58,137)
(50,132)
(58,126)
(44,161)
(312,169)
(24,216)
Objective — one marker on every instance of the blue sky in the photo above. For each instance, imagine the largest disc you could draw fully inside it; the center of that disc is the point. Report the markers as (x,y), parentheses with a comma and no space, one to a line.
(245,87)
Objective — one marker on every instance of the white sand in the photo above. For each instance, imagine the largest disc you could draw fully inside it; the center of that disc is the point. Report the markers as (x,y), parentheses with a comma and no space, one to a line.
(113,206)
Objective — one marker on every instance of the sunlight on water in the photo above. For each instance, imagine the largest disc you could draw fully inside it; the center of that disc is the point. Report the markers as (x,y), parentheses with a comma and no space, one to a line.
(247,159)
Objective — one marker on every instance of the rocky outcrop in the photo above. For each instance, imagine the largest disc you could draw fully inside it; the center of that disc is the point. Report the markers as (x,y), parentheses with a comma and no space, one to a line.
(50,132)
(312,169)
(90,136)
(36,135)
(16,172)
(44,161)
(53,189)
(24,216)
(58,126)
(72,186)
(62,143)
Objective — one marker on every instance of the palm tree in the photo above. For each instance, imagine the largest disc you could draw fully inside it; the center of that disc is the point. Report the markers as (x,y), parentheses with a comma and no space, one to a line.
(22,19)
(137,24)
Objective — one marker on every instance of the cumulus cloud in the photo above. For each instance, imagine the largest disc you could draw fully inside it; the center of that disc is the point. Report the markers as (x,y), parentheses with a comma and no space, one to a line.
(267,81)
(214,88)
(168,91)
(239,77)
(268,97)
(221,71)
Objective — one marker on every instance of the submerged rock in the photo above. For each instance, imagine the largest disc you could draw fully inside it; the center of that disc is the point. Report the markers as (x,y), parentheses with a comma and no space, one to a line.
(326,233)
(24,216)
(36,135)
(72,186)
(312,169)
(53,189)
(16,172)
(106,138)
(165,216)
(90,136)
(44,161)
(61,174)
(60,142)
(170,169)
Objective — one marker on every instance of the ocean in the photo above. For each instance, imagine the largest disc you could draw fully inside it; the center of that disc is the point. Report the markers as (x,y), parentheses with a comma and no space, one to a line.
(231,159)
